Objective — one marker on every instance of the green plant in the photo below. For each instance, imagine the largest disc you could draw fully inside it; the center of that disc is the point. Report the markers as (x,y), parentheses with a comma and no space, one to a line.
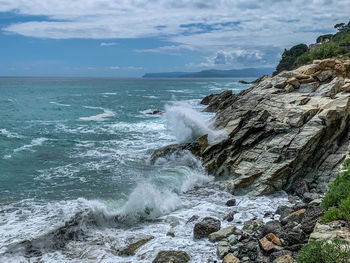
(335,251)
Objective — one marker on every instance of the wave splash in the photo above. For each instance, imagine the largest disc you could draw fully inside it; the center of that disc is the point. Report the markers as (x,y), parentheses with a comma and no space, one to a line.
(187,124)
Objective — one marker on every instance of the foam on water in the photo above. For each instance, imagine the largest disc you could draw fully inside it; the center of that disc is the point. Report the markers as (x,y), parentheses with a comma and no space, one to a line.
(60,104)
(187,124)
(99,117)
(33,143)
(9,134)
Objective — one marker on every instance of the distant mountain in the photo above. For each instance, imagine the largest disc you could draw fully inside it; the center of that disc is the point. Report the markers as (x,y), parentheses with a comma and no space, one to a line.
(214,73)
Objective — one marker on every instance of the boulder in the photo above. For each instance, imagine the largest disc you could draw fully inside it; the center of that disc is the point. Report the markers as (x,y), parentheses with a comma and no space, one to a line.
(268,242)
(221,234)
(231,202)
(131,249)
(272,227)
(207,226)
(172,256)
(283,211)
(222,249)
(230,258)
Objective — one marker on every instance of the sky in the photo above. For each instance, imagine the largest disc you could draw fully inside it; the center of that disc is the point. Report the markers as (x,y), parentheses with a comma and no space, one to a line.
(127,38)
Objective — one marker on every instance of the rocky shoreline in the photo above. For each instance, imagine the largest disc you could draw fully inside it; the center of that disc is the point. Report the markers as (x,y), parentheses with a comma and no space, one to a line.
(289,132)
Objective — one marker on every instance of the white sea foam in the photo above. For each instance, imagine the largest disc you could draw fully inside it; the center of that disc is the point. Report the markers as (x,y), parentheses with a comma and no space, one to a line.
(33,143)
(60,104)
(187,124)
(99,117)
(150,97)
(9,134)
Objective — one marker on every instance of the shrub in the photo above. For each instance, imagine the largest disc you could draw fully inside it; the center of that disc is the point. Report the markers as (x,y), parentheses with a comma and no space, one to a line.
(335,251)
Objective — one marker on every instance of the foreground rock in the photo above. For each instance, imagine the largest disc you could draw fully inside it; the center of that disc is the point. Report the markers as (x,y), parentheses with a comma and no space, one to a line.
(207,226)
(131,249)
(172,256)
(221,234)
(292,126)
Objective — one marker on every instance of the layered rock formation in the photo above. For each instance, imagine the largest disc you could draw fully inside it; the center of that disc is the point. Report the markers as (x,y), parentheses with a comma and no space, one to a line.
(286,128)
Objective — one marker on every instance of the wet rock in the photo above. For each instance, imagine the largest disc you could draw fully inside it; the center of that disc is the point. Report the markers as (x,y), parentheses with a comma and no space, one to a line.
(170,234)
(172,256)
(207,226)
(192,219)
(155,112)
(221,234)
(283,211)
(231,202)
(131,249)
(269,242)
(230,216)
(222,249)
(230,258)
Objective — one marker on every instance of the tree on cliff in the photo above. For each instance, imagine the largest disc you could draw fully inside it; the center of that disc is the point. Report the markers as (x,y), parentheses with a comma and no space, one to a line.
(289,57)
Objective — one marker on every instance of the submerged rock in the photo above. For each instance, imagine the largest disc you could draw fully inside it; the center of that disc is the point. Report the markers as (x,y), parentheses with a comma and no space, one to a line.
(172,256)
(131,249)
(207,226)
(231,202)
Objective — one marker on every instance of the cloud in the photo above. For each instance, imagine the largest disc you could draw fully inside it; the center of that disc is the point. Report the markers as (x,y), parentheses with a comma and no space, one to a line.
(125,68)
(107,44)
(202,26)
(114,67)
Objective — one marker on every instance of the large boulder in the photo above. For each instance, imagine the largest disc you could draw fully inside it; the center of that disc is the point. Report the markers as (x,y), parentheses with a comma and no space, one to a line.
(207,226)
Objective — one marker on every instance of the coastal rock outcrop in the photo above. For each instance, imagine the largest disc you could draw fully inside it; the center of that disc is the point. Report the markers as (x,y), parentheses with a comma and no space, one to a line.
(292,126)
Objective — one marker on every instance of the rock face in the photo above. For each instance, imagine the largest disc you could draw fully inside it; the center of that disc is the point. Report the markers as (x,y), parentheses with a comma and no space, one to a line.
(172,256)
(207,226)
(286,128)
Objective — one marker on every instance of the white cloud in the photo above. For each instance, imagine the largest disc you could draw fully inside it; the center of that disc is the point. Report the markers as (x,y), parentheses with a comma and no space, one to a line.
(204,26)
(107,44)
(114,68)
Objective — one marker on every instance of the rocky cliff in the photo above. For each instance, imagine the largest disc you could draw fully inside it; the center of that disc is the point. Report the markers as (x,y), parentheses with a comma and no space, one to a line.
(292,126)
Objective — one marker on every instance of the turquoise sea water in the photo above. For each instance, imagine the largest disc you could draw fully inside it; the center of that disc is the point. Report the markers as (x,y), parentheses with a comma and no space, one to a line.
(78,149)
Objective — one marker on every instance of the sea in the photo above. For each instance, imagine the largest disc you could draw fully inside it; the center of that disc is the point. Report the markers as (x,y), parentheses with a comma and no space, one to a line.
(76,182)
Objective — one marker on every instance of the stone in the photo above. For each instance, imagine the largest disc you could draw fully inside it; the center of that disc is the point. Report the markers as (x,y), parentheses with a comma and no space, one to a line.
(346,87)
(230,216)
(300,187)
(284,259)
(283,211)
(279,82)
(309,197)
(336,229)
(272,227)
(231,202)
(131,249)
(221,234)
(192,219)
(253,226)
(222,249)
(172,256)
(207,226)
(230,258)
(296,216)
(170,234)
(269,242)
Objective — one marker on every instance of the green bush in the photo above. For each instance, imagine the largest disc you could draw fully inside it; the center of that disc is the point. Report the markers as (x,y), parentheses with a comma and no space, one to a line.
(336,202)
(335,251)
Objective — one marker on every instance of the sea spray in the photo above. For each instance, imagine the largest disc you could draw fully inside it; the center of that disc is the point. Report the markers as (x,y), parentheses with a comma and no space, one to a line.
(187,124)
